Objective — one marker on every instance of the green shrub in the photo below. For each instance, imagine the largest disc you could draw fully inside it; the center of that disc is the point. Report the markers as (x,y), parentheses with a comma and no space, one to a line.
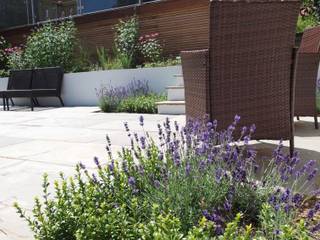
(194,183)
(165,63)
(51,45)
(140,104)
(81,63)
(309,15)
(126,41)
(306,22)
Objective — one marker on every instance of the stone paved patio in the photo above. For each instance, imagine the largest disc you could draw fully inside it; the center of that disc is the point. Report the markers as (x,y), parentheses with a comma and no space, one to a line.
(54,140)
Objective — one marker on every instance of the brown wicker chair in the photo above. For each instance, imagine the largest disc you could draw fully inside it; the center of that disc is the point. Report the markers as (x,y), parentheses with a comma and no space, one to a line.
(308,59)
(248,68)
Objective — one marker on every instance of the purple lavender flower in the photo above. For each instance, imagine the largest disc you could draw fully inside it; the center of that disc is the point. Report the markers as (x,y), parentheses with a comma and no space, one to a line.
(246,140)
(157,184)
(227,206)
(312,174)
(143,142)
(276,232)
(82,166)
(132,181)
(141,120)
(297,199)
(315,228)
(202,165)
(237,119)
(111,166)
(94,178)
(96,161)
(310,214)
(244,130)
(218,175)
(160,156)
(126,126)
(176,158)
(188,169)
(253,128)
(108,140)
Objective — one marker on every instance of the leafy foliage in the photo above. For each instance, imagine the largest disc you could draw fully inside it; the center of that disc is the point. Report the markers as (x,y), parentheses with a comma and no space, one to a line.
(51,45)
(309,15)
(193,182)
(140,104)
(3,55)
(165,63)
(126,40)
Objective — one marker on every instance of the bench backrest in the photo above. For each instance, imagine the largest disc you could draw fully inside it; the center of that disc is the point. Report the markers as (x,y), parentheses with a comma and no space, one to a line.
(20,79)
(48,78)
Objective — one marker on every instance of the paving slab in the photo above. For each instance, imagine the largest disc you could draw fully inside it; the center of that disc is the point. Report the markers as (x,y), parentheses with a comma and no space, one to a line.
(56,139)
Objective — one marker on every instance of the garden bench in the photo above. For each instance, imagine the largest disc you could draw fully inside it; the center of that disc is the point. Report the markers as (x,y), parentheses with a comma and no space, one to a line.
(248,68)
(45,82)
(19,81)
(308,59)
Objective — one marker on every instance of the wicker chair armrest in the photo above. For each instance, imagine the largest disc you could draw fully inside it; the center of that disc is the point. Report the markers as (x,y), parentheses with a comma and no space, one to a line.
(195,68)
(198,58)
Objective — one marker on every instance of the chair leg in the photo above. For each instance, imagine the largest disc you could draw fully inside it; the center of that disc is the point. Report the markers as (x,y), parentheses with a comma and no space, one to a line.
(291,146)
(316,124)
(61,101)
(31,103)
(11,100)
(298,118)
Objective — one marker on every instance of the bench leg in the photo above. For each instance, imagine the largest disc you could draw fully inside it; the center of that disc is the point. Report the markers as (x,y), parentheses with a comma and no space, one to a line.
(31,103)
(37,102)
(11,100)
(61,101)
(298,118)
(4,103)
(7,103)
(316,124)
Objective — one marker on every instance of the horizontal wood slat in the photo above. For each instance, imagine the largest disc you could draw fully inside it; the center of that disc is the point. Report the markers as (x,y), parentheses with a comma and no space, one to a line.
(182,25)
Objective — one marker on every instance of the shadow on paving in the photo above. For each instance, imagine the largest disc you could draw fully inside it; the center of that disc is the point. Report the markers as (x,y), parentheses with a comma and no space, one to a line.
(306,129)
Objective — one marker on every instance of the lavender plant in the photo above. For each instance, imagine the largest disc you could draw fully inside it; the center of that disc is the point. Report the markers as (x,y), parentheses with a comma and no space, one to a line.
(191,182)
(136,97)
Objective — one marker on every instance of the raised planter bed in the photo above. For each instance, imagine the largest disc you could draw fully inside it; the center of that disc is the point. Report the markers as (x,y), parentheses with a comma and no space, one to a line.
(80,89)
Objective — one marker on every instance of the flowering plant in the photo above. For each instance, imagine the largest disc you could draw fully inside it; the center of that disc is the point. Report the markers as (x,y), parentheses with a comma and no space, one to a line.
(151,48)
(136,97)
(191,182)
(15,58)
(3,55)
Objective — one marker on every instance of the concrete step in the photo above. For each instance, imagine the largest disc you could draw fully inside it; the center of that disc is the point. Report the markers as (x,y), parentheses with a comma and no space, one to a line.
(179,79)
(175,93)
(171,107)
